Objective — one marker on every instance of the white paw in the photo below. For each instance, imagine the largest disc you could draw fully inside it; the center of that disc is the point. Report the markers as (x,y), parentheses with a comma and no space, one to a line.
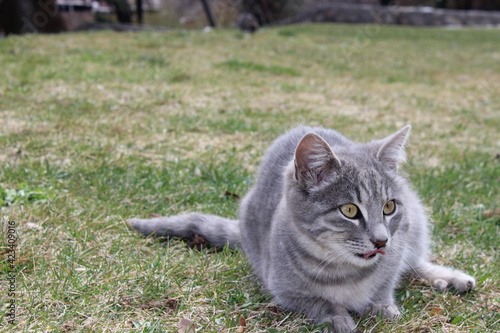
(385,310)
(442,277)
(340,324)
(440,284)
(459,281)
(463,282)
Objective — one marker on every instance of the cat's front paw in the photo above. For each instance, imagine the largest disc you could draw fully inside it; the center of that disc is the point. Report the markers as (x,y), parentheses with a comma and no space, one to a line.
(443,278)
(459,281)
(385,310)
(340,324)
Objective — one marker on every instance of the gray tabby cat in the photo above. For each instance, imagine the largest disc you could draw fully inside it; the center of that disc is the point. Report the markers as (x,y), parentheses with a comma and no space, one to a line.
(329,227)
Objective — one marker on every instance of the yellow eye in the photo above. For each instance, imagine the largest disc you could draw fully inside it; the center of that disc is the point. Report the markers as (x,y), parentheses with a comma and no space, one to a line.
(349,210)
(389,207)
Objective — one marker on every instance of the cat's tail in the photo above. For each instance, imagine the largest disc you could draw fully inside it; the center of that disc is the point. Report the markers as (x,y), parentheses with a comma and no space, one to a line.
(216,230)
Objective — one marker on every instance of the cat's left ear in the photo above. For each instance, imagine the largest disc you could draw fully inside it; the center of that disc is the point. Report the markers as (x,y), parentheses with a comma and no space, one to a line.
(314,161)
(392,151)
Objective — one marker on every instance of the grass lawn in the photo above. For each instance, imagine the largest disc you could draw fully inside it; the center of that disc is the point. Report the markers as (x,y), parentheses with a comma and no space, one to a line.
(96,128)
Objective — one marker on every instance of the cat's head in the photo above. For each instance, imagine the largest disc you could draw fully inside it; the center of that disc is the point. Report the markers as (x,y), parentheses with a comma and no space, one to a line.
(349,201)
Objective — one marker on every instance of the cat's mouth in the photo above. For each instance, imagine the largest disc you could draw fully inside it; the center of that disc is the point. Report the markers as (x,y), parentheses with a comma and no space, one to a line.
(371,254)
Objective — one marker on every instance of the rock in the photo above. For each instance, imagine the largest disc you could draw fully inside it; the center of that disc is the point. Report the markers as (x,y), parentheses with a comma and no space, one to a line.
(247,23)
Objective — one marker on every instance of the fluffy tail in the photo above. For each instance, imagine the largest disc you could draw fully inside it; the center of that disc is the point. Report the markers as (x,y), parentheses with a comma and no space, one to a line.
(218,231)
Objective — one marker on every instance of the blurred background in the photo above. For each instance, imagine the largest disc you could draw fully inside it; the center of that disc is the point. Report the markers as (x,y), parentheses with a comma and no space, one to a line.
(28,16)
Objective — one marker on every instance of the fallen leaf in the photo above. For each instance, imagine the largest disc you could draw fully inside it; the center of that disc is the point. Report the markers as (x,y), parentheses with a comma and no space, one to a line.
(491,213)
(198,242)
(186,326)
(243,325)
(273,309)
(166,303)
(437,310)
(233,195)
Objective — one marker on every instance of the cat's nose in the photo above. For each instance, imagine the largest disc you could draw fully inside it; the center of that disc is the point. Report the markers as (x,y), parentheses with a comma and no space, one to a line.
(379,243)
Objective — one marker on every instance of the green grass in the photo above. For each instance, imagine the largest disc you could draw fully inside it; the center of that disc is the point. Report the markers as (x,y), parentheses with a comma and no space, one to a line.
(100,127)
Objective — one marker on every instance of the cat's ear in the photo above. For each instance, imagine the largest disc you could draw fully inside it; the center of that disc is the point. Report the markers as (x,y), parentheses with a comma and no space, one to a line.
(314,160)
(392,151)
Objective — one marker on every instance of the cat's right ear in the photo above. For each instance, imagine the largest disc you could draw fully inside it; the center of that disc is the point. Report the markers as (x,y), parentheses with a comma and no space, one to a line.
(392,151)
(314,160)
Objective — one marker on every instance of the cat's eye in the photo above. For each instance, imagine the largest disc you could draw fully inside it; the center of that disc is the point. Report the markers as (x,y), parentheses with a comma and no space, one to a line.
(349,210)
(389,207)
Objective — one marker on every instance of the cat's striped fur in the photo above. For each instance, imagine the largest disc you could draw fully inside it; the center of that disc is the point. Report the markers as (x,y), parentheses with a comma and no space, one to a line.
(329,227)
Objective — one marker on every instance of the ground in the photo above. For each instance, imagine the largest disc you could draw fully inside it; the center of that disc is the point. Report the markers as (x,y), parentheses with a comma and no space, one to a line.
(100,127)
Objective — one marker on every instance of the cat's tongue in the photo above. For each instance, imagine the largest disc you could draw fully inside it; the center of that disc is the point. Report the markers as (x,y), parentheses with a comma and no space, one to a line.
(372,254)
